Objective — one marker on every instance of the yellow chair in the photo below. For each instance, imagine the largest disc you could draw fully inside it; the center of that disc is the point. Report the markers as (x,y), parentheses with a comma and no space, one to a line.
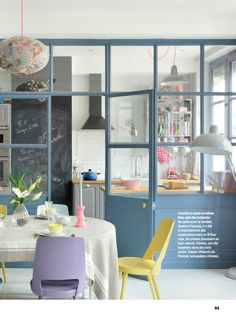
(3,210)
(147,266)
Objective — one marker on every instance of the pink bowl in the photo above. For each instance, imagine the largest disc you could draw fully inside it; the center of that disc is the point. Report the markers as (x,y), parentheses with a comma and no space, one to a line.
(131,183)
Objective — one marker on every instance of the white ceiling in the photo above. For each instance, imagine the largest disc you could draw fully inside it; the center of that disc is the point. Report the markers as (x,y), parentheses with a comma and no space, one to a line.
(120,18)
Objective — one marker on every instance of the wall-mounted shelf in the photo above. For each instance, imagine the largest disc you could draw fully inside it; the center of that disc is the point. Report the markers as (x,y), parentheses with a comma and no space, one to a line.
(174,120)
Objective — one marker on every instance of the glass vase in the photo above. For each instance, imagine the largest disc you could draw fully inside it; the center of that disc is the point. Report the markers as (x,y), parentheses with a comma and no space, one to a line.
(20,215)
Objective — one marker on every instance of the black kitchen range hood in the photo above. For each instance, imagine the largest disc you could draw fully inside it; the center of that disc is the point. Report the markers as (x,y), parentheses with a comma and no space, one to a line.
(95,120)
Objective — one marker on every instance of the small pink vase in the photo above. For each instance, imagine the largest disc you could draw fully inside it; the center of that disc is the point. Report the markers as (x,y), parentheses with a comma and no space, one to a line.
(80,217)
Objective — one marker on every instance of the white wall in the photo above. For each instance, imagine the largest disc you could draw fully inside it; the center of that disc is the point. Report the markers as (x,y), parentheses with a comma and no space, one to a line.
(125,19)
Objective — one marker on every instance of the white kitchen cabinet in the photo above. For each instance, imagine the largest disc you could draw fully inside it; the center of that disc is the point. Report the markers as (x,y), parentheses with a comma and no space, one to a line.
(102,203)
(91,200)
(4,115)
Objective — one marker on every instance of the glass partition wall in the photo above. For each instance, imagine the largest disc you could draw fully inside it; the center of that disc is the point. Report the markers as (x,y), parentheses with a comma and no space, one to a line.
(194,87)
(219,109)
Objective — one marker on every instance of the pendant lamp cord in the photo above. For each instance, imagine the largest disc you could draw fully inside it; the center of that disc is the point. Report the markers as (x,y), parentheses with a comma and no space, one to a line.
(165,53)
(174,56)
(22,18)
(163,56)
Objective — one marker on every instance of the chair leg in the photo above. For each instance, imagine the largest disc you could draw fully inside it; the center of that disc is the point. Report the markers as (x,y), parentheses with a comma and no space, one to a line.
(90,283)
(150,280)
(4,272)
(123,288)
(156,287)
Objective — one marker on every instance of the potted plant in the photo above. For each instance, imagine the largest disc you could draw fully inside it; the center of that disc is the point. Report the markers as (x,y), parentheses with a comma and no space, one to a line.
(22,192)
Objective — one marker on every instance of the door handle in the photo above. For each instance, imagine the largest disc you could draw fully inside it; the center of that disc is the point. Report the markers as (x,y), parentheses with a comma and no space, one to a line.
(144,205)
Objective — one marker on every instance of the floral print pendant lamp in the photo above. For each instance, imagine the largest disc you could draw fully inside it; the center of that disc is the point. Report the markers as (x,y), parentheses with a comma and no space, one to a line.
(21,55)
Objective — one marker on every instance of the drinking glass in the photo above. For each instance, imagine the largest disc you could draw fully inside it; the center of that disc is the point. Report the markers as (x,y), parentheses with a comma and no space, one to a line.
(49,211)
(48,204)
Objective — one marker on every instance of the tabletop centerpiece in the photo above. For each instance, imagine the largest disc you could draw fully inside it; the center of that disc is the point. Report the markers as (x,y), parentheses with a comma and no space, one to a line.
(22,190)
(80,208)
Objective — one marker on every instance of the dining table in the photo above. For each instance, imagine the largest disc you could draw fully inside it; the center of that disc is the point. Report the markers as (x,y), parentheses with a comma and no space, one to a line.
(18,243)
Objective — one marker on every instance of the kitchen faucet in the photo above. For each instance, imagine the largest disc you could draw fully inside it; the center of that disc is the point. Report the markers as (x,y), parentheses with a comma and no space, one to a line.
(138,166)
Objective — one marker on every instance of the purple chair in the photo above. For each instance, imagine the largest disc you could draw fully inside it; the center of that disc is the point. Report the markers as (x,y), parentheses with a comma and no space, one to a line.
(59,267)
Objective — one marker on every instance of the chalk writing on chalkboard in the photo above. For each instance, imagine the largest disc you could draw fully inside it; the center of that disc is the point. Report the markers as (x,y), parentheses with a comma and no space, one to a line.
(29,121)
(23,126)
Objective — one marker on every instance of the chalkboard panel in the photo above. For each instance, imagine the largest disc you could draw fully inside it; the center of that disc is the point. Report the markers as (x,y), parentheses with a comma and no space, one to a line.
(29,125)
(61,150)
(29,121)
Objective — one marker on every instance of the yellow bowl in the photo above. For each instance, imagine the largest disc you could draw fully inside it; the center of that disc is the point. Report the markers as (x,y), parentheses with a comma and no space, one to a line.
(55,228)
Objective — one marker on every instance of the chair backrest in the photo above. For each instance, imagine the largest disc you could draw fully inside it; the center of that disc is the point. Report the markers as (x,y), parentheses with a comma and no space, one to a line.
(59,258)
(160,243)
(3,209)
(61,209)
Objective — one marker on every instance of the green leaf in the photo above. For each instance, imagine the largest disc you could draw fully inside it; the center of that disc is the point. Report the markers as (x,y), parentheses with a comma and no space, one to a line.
(18,181)
(15,205)
(21,183)
(12,180)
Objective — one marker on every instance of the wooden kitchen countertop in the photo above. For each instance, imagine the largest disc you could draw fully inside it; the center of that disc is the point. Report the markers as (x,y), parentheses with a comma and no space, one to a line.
(180,180)
(92,182)
(120,190)
(98,181)
(118,181)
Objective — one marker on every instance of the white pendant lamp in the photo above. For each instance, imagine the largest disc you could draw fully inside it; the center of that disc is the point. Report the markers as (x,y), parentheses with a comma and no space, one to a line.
(217,144)
(21,55)
(212,143)
(174,78)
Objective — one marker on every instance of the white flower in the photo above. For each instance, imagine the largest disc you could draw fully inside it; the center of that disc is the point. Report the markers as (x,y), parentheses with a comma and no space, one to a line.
(19,193)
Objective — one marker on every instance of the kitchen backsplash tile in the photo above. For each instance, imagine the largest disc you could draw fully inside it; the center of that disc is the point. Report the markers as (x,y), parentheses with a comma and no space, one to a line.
(89,150)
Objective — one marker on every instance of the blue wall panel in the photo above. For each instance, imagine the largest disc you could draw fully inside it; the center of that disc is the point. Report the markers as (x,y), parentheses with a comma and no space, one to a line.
(211,242)
(133,225)
(31,206)
(206,221)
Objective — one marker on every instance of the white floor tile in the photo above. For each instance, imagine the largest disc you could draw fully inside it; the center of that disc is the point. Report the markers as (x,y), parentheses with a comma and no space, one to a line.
(174,284)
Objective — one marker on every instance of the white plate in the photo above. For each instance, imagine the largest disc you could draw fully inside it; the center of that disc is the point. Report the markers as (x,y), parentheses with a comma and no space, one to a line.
(40,216)
(47,233)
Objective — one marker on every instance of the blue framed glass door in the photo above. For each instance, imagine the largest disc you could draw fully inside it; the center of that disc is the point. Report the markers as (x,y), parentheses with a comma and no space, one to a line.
(130,175)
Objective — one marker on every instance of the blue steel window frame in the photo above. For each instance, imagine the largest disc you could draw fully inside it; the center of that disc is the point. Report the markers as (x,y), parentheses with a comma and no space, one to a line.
(226,62)
(30,95)
(214,65)
(188,94)
(126,42)
(231,59)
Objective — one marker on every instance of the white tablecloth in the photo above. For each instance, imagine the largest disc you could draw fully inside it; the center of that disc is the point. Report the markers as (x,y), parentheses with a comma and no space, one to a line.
(18,244)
